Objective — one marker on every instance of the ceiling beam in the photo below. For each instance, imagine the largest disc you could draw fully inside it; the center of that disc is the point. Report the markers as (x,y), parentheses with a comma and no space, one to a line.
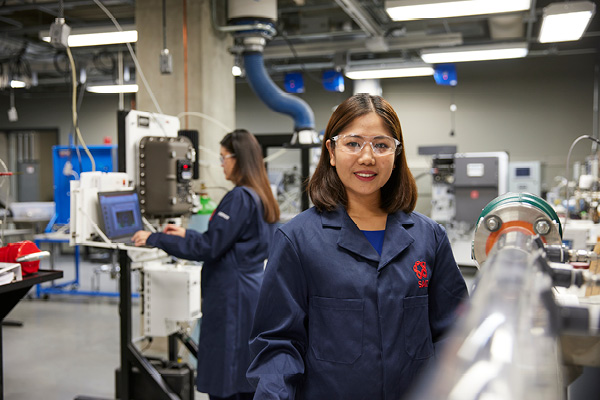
(412,41)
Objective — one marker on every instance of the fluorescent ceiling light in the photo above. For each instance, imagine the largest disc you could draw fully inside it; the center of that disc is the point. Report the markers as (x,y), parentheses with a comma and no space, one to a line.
(17,84)
(380,72)
(474,53)
(113,89)
(406,10)
(99,38)
(566,21)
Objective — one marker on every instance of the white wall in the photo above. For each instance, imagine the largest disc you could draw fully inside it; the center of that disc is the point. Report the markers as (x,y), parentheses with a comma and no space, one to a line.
(97,116)
(532,108)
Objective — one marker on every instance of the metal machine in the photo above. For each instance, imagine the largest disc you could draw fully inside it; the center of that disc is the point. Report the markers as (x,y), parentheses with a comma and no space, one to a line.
(462,184)
(158,162)
(478,178)
(163,167)
(509,342)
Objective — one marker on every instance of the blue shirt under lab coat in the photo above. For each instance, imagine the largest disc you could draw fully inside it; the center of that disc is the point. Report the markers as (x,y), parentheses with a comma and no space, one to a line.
(337,321)
(233,250)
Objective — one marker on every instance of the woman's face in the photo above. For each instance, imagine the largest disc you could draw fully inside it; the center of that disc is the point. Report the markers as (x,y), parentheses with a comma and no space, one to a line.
(363,174)
(227,162)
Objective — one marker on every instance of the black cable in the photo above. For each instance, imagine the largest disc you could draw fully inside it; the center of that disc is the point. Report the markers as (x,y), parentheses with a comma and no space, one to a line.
(82,88)
(61,10)
(293,50)
(147,345)
(164,21)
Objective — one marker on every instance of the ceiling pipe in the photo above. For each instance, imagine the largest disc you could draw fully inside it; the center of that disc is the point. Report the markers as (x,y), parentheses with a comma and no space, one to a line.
(251,45)
(361,17)
(275,98)
(530,21)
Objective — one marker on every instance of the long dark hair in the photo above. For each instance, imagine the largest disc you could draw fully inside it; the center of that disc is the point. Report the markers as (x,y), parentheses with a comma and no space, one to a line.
(325,188)
(249,169)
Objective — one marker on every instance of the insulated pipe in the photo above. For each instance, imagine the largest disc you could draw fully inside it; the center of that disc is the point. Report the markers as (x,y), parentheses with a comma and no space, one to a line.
(505,345)
(275,98)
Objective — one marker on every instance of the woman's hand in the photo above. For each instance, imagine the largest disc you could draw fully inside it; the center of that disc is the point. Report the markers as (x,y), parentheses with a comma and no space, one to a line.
(139,238)
(174,230)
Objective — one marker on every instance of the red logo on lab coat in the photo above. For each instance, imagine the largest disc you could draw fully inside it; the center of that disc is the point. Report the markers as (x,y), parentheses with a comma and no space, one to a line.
(420,269)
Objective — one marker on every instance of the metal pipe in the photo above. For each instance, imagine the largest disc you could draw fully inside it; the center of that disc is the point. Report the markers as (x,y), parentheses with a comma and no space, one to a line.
(120,79)
(506,345)
(361,17)
(19,147)
(595,132)
(532,18)
(32,155)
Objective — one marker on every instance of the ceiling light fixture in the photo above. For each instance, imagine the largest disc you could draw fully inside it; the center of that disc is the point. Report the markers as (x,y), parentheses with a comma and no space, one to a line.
(91,37)
(475,53)
(17,84)
(564,22)
(113,88)
(387,71)
(407,10)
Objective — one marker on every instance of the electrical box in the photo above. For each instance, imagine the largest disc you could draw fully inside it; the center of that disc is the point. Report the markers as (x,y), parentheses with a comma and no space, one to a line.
(525,176)
(171,295)
(166,172)
(28,181)
(166,62)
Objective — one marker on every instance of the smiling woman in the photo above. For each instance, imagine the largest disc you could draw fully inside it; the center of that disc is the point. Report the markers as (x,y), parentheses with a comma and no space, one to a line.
(359,290)
(364,170)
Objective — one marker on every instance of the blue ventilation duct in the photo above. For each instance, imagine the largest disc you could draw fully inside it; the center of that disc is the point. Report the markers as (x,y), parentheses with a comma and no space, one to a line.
(275,98)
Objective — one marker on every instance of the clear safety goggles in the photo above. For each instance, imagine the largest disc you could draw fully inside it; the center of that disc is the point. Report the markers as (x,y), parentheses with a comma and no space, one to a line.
(381,145)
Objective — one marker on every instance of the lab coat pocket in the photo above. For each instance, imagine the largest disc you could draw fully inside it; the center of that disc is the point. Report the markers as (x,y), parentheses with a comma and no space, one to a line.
(336,329)
(415,323)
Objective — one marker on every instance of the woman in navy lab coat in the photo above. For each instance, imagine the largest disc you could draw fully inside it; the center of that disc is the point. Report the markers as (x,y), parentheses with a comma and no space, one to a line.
(233,250)
(359,289)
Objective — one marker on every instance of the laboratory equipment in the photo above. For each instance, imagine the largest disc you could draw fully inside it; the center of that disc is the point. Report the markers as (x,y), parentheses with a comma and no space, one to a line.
(525,177)
(171,296)
(507,342)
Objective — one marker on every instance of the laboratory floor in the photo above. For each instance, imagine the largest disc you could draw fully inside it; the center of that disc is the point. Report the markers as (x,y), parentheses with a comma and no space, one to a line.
(68,345)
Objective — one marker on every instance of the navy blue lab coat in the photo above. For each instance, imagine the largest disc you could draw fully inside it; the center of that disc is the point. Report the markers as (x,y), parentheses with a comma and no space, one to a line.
(233,250)
(337,321)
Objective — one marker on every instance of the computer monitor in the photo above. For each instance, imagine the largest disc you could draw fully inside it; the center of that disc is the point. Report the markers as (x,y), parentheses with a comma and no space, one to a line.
(121,214)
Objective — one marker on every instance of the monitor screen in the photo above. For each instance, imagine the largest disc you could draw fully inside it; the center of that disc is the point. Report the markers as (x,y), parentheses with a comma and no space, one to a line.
(522,171)
(120,213)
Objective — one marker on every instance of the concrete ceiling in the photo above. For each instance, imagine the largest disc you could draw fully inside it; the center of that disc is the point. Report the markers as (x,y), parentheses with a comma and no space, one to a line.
(312,34)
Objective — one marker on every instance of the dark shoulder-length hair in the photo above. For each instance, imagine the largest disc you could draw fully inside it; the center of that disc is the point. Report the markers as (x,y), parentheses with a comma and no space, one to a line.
(325,187)
(249,169)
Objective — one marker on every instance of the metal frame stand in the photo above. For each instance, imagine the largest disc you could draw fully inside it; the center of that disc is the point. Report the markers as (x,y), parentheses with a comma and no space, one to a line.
(130,355)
